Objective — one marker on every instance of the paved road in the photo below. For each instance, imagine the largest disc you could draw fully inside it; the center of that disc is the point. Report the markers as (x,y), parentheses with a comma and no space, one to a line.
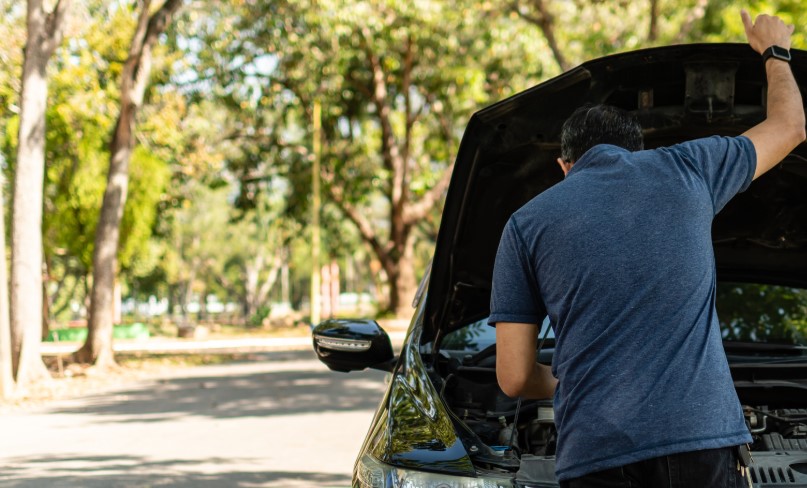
(284,421)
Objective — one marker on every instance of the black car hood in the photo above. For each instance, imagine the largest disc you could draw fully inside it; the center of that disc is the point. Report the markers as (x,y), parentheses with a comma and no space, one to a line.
(508,152)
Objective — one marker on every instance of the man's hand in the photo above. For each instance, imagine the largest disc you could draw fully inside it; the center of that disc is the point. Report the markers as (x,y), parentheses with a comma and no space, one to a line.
(783,130)
(516,370)
(766,31)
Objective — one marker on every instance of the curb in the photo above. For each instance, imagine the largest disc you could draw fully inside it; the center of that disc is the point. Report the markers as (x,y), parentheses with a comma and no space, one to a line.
(181,346)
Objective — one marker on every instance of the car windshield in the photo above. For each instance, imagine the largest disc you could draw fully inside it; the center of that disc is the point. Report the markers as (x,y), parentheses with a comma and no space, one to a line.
(750,314)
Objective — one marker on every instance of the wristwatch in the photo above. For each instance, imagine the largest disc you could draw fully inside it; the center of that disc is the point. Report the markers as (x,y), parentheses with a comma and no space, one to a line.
(776,52)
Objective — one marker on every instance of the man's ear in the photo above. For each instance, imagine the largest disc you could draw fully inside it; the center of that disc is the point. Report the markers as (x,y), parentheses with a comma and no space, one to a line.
(565,166)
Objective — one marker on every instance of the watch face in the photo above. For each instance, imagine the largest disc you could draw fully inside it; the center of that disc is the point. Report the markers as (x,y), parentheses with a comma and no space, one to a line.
(780,53)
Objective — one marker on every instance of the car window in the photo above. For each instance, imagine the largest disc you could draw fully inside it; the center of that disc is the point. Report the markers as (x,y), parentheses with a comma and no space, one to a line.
(479,335)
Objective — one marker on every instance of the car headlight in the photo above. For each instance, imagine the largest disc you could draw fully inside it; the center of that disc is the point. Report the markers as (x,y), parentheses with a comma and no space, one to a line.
(371,473)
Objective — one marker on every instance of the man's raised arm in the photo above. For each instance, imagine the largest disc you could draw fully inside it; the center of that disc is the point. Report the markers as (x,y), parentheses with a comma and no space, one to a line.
(783,129)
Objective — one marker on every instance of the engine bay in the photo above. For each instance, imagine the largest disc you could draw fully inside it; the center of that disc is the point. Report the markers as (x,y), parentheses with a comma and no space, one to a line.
(518,437)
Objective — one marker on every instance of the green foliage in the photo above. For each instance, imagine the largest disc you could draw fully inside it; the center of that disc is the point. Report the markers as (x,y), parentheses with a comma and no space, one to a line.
(222,170)
(148,181)
(768,313)
(74,179)
(12,25)
(256,319)
(587,29)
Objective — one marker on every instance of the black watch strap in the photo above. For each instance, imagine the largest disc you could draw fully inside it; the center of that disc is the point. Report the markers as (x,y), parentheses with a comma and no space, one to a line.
(776,52)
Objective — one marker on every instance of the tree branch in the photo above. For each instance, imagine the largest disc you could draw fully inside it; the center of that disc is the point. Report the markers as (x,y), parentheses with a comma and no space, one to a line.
(696,14)
(363,225)
(418,210)
(652,30)
(132,64)
(546,22)
(379,98)
(391,155)
(157,24)
(269,282)
(363,89)
(55,26)
(407,83)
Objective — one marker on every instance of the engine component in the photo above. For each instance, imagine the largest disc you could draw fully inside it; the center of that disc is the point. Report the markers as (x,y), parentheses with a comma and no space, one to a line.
(541,431)
(776,442)
(506,435)
(536,471)
(777,430)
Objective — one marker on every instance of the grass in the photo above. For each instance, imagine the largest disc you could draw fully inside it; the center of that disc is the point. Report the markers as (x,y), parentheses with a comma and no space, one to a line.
(232,331)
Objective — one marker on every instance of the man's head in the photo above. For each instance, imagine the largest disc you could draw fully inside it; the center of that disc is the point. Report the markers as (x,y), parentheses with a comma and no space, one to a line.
(590,125)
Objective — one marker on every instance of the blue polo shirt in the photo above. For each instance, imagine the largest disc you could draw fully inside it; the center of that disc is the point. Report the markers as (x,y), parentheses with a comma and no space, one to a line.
(619,256)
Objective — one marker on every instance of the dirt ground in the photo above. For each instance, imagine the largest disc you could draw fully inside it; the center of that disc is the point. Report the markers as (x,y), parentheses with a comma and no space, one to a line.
(72,380)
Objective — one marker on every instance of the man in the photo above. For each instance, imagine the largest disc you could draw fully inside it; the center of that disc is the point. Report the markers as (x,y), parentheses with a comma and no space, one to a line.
(619,256)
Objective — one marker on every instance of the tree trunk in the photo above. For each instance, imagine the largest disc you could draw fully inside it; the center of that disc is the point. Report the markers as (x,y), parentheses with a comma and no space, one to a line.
(6,368)
(396,254)
(652,30)
(98,347)
(285,294)
(269,283)
(402,281)
(44,35)
(252,270)
(203,304)
(47,301)
(187,294)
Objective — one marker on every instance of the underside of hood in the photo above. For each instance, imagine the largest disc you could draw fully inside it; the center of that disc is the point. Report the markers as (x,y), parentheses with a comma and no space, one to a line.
(508,152)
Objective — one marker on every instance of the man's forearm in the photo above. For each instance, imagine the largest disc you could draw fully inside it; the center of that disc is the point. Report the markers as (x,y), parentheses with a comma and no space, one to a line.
(784,97)
(542,384)
(785,112)
(783,129)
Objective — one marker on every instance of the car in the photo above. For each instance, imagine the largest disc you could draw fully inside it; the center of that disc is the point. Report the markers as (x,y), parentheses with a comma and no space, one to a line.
(444,421)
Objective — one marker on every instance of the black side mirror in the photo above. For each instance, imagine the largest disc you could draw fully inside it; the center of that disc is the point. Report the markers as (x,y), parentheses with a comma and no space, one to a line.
(353,345)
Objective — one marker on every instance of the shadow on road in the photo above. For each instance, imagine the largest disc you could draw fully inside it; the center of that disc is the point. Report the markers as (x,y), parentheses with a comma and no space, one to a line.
(288,383)
(130,471)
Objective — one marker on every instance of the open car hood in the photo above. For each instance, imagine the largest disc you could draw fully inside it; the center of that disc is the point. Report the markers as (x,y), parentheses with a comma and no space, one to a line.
(508,152)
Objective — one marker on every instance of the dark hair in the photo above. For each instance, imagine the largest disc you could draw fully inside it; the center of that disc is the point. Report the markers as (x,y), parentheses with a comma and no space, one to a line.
(590,125)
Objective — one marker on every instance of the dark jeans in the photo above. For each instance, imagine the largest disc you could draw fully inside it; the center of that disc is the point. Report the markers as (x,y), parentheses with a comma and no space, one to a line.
(711,468)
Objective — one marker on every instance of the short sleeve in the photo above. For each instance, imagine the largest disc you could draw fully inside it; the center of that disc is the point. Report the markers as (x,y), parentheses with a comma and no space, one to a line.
(726,164)
(515,296)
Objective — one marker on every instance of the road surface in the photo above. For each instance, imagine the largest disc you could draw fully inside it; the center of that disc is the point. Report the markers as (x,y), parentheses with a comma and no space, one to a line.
(283,421)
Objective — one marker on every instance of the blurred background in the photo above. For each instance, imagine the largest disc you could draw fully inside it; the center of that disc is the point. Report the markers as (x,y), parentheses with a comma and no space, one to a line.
(214,168)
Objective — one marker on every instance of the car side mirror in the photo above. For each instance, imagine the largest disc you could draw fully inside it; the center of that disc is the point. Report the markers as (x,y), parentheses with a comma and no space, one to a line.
(353,345)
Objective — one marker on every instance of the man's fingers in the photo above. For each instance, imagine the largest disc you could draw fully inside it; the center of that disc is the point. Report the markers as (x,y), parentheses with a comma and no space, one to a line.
(791,28)
(747,22)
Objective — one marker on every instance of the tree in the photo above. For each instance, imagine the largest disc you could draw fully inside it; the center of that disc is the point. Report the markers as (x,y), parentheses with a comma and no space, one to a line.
(45,31)
(134,79)
(6,364)
(10,62)
(396,82)
(576,31)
